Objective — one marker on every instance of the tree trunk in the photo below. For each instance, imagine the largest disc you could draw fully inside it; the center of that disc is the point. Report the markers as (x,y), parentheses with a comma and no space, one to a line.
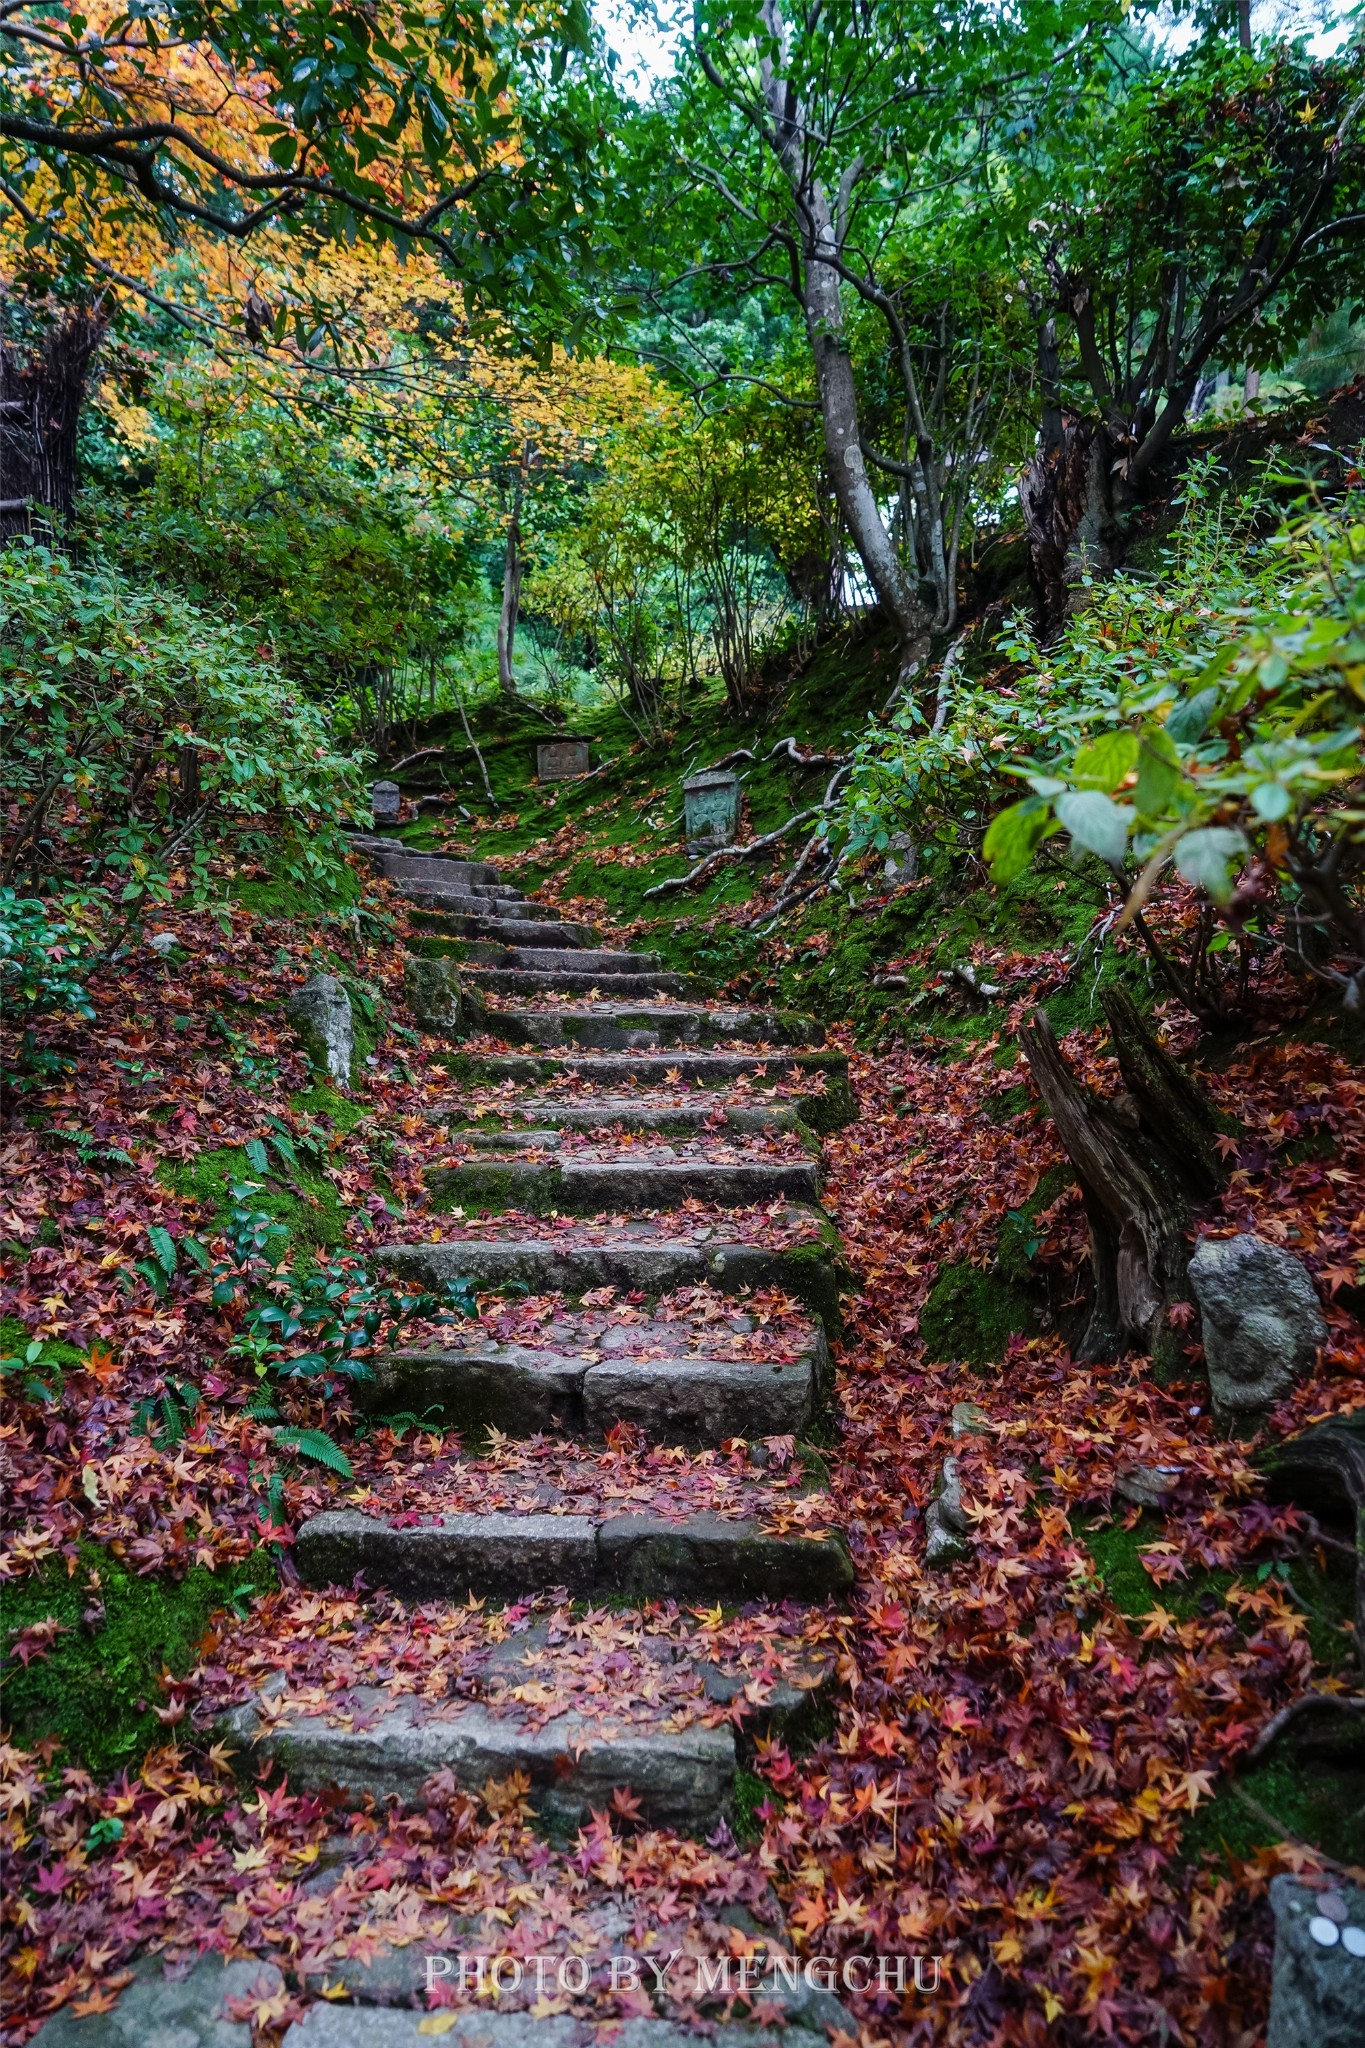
(41,394)
(511,585)
(1133,1203)
(1174,1108)
(1066,497)
(822,304)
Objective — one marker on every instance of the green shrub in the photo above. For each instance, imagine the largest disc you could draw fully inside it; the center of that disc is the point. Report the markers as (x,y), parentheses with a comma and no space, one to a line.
(141,736)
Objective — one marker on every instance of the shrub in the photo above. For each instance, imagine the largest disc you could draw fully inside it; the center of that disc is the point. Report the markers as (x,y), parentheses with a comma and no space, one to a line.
(142,735)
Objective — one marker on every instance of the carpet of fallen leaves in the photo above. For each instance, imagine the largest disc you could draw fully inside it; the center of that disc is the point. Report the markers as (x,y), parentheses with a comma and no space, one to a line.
(1011,1758)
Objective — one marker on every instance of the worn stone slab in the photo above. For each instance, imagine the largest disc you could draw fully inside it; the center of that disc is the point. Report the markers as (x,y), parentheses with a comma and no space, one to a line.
(621,1027)
(410,864)
(560,1264)
(645,1557)
(594,959)
(646,1068)
(328,2025)
(531,926)
(474,903)
(612,987)
(683,1778)
(500,1555)
(156,2012)
(672,1114)
(710,1558)
(698,1400)
(523,1392)
(587,1187)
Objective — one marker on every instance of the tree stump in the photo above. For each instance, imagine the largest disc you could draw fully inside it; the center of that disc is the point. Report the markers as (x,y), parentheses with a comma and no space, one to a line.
(1139,1158)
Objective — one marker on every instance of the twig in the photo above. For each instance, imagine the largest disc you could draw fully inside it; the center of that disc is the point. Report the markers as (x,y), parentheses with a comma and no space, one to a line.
(422,754)
(1286,1833)
(483,765)
(724,853)
(1277,1724)
(951,661)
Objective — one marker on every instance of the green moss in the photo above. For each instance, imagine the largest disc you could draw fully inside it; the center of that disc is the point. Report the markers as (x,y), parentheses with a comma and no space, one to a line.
(97,1687)
(749,1794)
(310,1209)
(1303,1797)
(288,899)
(972,1315)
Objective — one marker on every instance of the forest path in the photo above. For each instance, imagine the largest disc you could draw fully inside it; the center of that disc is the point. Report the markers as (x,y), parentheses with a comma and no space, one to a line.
(646,1163)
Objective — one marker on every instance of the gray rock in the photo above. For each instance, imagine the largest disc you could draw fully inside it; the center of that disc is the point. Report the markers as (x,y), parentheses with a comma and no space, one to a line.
(945,1522)
(1147,1486)
(350,2026)
(702,1400)
(433,994)
(321,1015)
(708,1557)
(1262,1323)
(1317,1997)
(902,859)
(155,2012)
(386,800)
(162,943)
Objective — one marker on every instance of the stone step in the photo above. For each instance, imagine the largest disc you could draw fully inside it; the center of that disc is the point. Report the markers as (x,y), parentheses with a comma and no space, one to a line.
(462,902)
(329,2025)
(676,1114)
(683,1778)
(441,869)
(651,1258)
(558,959)
(530,925)
(620,1028)
(535,981)
(505,1556)
(680,1399)
(589,1187)
(834,1106)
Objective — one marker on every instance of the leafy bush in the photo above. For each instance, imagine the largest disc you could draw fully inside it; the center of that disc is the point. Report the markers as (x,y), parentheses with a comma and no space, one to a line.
(1209,720)
(40,959)
(141,736)
(1232,746)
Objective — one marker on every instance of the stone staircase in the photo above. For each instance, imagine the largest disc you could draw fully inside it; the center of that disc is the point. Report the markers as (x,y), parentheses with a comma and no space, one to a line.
(650,1171)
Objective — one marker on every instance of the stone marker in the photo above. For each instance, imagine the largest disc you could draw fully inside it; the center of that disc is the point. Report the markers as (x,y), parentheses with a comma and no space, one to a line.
(321,1015)
(326,2025)
(157,2012)
(710,810)
(1262,1324)
(386,800)
(562,760)
(1317,1996)
(435,996)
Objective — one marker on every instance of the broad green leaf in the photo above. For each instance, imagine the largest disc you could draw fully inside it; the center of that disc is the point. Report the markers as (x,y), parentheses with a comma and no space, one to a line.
(1158,773)
(1096,823)
(1209,857)
(1106,761)
(1271,800)
(1013,836)
(1189,720)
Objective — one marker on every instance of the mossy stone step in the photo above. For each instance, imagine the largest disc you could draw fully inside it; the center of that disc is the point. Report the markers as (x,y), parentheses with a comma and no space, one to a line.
(530,925)
(621,1028)
(534,981)
(564,1262)
(827,1110)
(474,903)
(505,1556)
(672,1115)
(588,1187)
(682,1777)
(685,1399)
(556,959)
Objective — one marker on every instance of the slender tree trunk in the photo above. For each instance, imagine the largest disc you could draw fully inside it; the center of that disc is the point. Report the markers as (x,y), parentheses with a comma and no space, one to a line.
(511,584)
(836,386)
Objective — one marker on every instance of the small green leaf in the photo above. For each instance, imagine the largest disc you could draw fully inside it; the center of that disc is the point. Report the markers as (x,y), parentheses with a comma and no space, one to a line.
(256,1156)
(1105,762)
(1013,836)
(1189,721)
(1271,800)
